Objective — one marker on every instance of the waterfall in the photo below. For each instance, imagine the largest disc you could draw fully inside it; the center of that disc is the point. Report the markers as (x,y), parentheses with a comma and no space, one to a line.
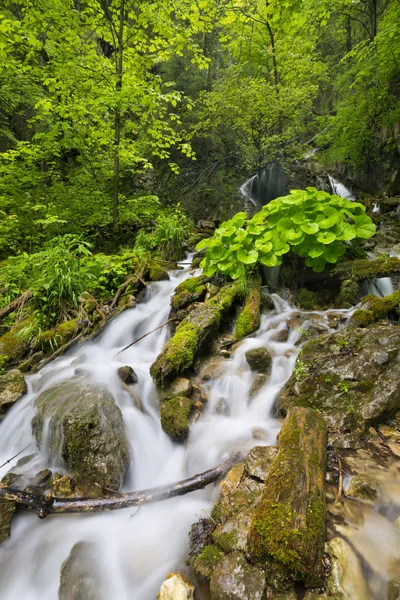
(339,189)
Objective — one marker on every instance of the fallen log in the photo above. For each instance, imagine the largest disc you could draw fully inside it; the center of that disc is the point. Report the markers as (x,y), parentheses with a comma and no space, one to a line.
(357,270)
(46,504)
(15,304)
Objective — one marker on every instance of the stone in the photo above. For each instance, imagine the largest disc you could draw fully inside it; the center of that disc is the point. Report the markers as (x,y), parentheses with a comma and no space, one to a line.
(236,579)
(156,272)
(363,487)
(232,479)
(175,415)
(12,387)
(127,375)
(86,430)
(343,375)
(266,302)
(178,387)
(233,534)
(205,563)
(259,360)
(200,536)
(79,580)
(259,382)
(259,461)
(43,477)
(62,486)
(281,335)
(191,290)
(12,480)
(176,587)
(214,369)
(7,510)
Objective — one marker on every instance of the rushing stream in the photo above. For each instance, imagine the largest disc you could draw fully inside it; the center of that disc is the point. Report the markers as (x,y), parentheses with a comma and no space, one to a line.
(134,550)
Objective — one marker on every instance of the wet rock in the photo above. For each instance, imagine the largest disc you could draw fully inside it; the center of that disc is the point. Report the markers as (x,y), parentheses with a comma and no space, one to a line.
(62,486)
(259,382)
(349,294)
(127,375)
(344,376)
(176,587)
(12,480)
(175,417)
(207,560)
(7,510)
(246,495)
(259,461)
(267,302)
(394,589)
(29,364)
(179,387)
(233,534)
(236,579)
(200,536)
(363,487)
(232,479)
(212,290)
(281,335)
(33,488)
(156,273)
(12,346)
(79,372)
(259,359)
(86,429)
(248,320)
(346,580)
(345,440)
(79,580)
(128,301)
(222,408)
(12,387)
(259,434)
(214,369)
(310,300)
(43,477)
(189,291)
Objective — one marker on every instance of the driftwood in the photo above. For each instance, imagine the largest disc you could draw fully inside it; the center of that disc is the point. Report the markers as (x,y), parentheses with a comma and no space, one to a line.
(15,304)
(145,335)
(134,279)
(46,504)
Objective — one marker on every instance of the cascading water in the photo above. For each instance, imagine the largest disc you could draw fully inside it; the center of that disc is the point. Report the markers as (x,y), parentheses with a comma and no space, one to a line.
(339,189)
(134,550)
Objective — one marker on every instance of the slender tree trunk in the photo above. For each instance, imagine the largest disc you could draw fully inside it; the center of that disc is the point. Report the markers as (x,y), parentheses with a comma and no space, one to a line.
(349,42)
(117,119)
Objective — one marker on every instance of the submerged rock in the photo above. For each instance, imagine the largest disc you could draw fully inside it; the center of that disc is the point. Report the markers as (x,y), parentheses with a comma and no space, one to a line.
(127,375)
(259,382)
(352,377)
(86,429)
(175,417)
(235,578)
(12,388)
(259,360)
(176,587)
(79,580)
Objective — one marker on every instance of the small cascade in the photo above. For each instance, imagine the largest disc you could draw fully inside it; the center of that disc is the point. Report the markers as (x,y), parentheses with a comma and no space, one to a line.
(339,189)
(382,286)
(265,186)
(249,190)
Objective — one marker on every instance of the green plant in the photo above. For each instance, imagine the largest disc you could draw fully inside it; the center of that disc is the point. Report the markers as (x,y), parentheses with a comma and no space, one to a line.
(312,224)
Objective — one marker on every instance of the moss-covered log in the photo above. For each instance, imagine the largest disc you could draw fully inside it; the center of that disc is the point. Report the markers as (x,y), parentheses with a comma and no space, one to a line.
(249,319)
(189,291)
(375,308)
(287,533)
(180,352)
(356,270)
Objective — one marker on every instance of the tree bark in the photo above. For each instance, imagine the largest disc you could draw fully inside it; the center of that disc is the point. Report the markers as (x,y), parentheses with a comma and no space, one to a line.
(15,304)
(117,120)
(47,504)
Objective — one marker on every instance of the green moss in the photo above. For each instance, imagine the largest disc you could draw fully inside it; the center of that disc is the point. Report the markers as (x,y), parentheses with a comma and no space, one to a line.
(226,540)
(12,345)
(205,563)
(289,524)
(175,417)
(179,353)
(348,295)
(156,273)
(189,291)
(310,300)
(382,307)
(249,319)
(54,338)
(368,269)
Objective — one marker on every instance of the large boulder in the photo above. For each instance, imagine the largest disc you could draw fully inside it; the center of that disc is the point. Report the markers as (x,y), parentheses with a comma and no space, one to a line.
(352,377)
(175,417)
(176,587)
(259,360)
(12,387)
(236,579)
(85,429)
(79,580)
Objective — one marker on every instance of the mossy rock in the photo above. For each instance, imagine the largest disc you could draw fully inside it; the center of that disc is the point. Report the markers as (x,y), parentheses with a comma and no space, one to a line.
(235,578)
(86,430)
(180,352)
(249,318)
(175,417)
(52,339)
(189,291)
(310,300)
(359,270)
(179,387)
(363,487)
(259,360)
(205,563)
(349,294)
(156,273)
(12,388)
(78,578)
(287,534)
(352,377)
(13,346)
(7,510)
(127,375)
(233,534)
(62,486)
(259,461)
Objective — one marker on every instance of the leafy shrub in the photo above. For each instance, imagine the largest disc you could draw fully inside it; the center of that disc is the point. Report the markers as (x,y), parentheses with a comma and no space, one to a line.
(310,223)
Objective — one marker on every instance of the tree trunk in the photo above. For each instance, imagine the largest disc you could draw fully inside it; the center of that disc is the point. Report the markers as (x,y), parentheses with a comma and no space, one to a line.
(288,529)
(117,119)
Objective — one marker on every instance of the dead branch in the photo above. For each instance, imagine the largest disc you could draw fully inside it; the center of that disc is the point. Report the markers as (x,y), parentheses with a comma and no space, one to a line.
(134,279)
(340,485)
(15,456)
(145,335)
(15,304)
(136,400)
(46,504)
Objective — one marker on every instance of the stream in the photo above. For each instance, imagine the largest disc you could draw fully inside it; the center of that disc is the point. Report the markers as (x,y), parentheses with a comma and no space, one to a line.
(134,550)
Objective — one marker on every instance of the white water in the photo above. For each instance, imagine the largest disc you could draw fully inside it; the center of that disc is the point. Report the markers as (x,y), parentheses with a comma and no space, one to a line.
(247,187)
(339,189)
(135,550)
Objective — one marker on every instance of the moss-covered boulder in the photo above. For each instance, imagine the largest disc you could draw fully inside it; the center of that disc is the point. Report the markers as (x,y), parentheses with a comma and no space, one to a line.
(205,563)
(259,360)
(79,580)
(180,352)
(249,318)
(52,339)
(189,291)
(156,273)
(287,534)
(310,300)
(236,579)
(13,346)
(352,377)
(86,429)
(62,486)
(7,510)
(375,308)
(127,375)
(233,534)
(179,387)
(348,295)
(175,415)
(360,270)
(12,388)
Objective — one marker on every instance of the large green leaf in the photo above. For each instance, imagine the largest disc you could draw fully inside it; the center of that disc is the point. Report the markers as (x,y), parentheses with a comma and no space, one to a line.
(330,218)
(365,228)
(269,260)
(326,237)
(309,227)
(247,258)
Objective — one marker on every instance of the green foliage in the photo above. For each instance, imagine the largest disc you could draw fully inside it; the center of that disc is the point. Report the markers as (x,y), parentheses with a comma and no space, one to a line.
(168,235)
(313,225)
